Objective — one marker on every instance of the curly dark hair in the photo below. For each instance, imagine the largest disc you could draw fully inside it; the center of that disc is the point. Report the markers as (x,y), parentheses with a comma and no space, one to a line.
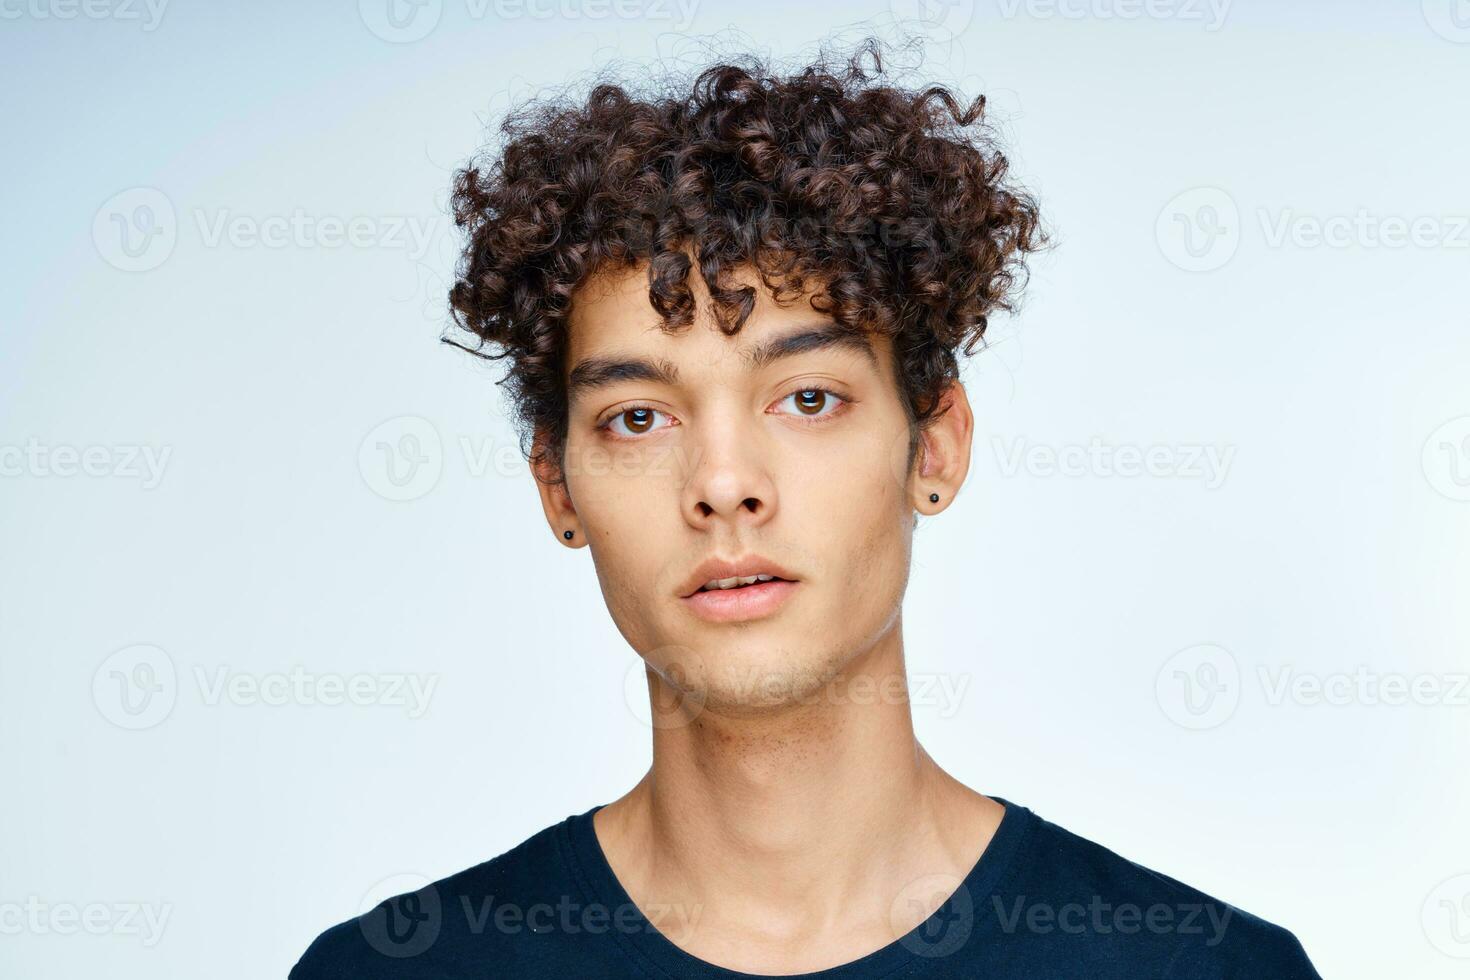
(890,204)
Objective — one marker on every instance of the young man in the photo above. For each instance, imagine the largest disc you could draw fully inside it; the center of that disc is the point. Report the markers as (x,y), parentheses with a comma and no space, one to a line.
(732,313)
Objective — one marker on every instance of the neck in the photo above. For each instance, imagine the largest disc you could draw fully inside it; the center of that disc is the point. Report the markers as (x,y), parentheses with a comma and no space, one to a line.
(797,815)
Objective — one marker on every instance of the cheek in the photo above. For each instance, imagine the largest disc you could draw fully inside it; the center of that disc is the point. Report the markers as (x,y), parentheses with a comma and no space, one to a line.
(878,557)
(617,487)
(851,486)
(630,519)
(855,514)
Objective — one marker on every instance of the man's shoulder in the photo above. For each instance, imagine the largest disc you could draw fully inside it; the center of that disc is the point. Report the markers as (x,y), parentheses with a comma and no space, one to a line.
(435,928)
(1090,887)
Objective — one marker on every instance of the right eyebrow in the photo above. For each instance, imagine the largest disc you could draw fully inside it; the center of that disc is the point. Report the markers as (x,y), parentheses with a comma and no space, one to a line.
(599,372)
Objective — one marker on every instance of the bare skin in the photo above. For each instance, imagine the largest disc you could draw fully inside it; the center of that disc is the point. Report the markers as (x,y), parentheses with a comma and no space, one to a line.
(790,821)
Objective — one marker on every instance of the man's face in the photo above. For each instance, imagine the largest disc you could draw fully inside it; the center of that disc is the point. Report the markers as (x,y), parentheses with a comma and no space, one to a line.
(798,459)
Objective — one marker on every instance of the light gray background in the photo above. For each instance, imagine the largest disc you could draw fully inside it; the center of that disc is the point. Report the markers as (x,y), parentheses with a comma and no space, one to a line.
(1263,253)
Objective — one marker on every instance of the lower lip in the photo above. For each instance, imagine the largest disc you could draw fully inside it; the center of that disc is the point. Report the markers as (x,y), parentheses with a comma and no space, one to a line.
(746,602)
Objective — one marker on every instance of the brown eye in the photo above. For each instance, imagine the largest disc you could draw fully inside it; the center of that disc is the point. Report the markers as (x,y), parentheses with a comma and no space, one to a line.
(631,423)
(814,403)
(811,401)
(638,419)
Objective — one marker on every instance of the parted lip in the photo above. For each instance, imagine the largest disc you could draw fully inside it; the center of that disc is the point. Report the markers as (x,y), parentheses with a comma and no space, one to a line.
(716,568)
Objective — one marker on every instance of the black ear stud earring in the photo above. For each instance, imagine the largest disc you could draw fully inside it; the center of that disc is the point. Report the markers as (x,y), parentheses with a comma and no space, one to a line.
(934,498)
(567,535)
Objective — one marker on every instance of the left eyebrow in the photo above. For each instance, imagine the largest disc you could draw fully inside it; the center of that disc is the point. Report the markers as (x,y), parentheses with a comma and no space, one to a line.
(819,337)
(599,372)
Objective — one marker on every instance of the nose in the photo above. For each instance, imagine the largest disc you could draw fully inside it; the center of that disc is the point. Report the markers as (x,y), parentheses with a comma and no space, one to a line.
(730,480)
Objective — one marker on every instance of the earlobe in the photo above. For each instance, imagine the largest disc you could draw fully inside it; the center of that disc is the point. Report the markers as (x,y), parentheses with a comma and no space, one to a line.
(561,515)
(945,451)
(560,521)
(556,498)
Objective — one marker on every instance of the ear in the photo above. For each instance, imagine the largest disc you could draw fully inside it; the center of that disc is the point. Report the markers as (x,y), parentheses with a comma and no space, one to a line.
(943,457)
(556,502)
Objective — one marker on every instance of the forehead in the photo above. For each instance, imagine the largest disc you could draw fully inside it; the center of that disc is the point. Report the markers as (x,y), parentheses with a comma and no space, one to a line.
(610,309)
(611,315)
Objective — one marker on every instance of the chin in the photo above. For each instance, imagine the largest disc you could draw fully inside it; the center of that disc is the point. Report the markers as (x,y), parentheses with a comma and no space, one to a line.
(735,677)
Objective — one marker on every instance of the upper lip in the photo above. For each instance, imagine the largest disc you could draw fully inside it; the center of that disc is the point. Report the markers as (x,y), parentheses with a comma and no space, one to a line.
(718,568)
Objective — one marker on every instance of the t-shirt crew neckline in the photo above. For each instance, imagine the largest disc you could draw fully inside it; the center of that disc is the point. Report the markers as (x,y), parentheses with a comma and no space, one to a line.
(955,922)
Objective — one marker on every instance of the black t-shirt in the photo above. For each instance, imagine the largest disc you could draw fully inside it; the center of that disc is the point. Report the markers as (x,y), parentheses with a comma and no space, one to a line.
(1040,904)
